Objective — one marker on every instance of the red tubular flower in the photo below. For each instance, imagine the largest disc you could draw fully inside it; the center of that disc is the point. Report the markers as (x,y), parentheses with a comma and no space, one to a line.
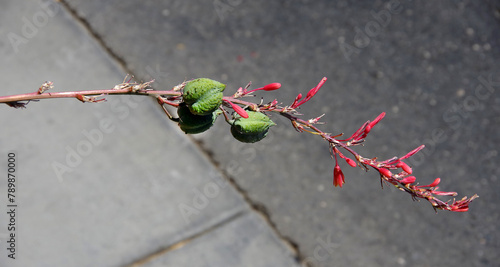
(443,193)
(376,120)
(435,183)
(385,172)
(363,131)
(351,162)
(460,209)
(413,152)
(316,89)
(462,205)
(408,180)
(295,102)
(309,95)
(356,135)
(368,128)
(272,87)
(338,176)
(269,87)
(404,166)
(238,109)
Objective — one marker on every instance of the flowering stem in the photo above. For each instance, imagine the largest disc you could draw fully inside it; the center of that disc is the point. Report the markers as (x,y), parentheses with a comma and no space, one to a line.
(401,179)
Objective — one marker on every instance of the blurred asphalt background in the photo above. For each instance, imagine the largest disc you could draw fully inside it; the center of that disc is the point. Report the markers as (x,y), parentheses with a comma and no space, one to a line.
(144,194)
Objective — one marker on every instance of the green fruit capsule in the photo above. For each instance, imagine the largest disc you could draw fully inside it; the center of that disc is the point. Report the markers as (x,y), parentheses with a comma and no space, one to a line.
(252,129)
(193,124)
(203,96)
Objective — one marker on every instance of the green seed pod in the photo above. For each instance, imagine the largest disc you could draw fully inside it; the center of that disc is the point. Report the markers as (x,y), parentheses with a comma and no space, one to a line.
(203,96)
(252,129)
(193,124)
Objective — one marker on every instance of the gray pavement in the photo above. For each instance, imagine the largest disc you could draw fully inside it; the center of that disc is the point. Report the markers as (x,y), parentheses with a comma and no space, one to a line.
(135,198)
(111,184)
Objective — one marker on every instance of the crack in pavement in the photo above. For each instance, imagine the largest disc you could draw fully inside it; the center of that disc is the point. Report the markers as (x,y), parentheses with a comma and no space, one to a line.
(257,207)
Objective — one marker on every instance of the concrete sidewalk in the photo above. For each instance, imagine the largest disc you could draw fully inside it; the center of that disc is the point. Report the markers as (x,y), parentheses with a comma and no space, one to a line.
(136,190)
(432,66)
(110,184)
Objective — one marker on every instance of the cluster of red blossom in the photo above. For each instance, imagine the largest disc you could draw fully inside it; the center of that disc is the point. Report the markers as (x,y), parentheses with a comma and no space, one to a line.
(401,178)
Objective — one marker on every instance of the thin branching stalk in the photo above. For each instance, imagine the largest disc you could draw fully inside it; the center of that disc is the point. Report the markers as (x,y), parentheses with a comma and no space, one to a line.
(392,171)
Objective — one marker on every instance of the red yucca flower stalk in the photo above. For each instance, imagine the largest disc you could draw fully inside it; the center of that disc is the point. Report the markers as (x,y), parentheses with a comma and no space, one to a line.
(391,171)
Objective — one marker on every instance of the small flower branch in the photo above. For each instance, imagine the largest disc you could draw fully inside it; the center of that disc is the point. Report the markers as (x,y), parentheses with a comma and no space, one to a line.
(392,171)
(401,180)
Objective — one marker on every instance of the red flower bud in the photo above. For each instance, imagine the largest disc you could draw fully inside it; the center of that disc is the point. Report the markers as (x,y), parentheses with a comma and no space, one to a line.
(296,101)
(80,97)
(413,152)
(351,162)
(459,209)
(435,183)
(376,120)
(238,109)
(443,193)
(385,172)
(269,87)
(272,86)
(368,128)
(309,95)
(314,90)
(404,166)
(408,180)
